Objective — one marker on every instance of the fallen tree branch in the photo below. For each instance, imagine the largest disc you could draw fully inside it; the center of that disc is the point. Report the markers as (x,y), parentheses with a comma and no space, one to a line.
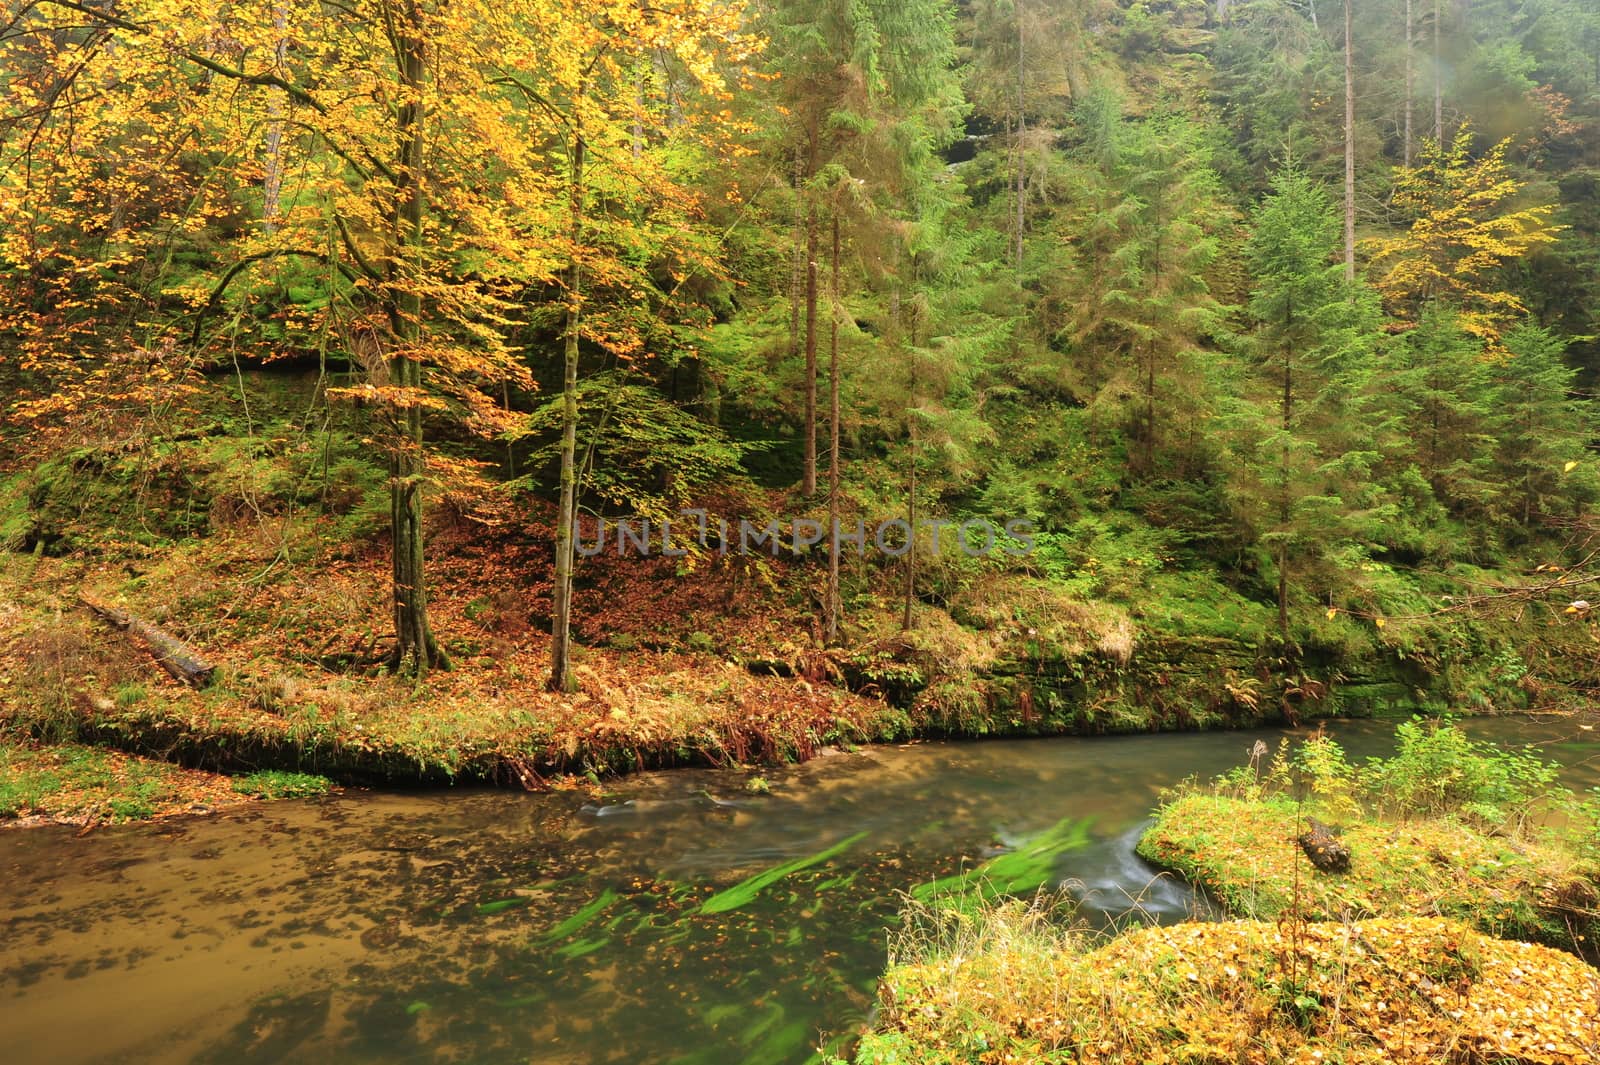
(170,653)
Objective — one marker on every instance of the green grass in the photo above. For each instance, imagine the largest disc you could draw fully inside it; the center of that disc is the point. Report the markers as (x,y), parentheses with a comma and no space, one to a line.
(1243,852)
(281,784)
(75,783)
(1447,826)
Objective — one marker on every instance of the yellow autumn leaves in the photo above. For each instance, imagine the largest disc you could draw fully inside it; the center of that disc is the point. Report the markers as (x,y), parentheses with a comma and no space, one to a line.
(1463,229)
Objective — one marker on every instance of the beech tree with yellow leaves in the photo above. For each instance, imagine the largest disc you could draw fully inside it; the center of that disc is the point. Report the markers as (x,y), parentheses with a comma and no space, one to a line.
(424,156)
(1466,224)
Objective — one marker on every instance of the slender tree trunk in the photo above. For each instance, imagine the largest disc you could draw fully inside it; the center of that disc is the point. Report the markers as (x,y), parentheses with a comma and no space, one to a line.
(797,260)
(1287,413)
(561,678)
(834,604)
(415,648)
(808,478)
(1411,81)
(1439,83)
(1022,143)
(1349,151)
(1149,409)
(907,621)
(272,179)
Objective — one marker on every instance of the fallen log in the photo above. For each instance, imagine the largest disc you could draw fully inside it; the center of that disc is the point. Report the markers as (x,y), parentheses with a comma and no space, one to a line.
(1325,849)
(170,653)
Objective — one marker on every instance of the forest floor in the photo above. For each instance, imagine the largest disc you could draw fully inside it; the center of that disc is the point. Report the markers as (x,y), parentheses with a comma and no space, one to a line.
(699,660)
(273,705)
(715,663)
(68,783)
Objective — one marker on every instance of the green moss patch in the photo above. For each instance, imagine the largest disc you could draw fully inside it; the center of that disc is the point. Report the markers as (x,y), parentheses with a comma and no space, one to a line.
(1243,852)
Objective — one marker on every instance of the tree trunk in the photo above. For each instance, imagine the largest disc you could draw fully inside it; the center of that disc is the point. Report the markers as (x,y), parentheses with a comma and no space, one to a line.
(561,678)
(1284,501)
(1349,152)
(415,649)
(1439,83)
(1149,409)
(906,622)
(797,260)
(808,477)
(834,605)
(1411,81)
(171,654)
(1022,145)
(272,178)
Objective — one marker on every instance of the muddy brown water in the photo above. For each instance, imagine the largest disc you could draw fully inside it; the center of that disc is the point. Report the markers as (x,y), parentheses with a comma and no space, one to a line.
(477,926)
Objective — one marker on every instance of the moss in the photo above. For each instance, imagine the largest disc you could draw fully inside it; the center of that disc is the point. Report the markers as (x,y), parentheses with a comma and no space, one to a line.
(1242,852)
(277,784)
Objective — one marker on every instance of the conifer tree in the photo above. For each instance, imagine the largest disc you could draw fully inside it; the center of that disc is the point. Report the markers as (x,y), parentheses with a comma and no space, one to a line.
(1545,427)
(1311,337)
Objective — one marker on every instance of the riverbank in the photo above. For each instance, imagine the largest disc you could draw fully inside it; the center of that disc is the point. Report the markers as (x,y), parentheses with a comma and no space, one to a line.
(71,784)
(1459,853)
(701,661)
(1446,827)
(1406,990)
(677,669)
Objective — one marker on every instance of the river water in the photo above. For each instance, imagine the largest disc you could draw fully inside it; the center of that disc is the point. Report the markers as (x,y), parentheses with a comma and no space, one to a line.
(636,926)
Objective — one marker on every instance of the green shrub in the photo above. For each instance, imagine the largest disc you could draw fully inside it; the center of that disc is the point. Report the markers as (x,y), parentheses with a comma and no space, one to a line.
(1437,768)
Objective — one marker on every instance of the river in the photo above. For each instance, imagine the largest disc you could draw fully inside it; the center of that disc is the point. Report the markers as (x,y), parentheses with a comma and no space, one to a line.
(498,927)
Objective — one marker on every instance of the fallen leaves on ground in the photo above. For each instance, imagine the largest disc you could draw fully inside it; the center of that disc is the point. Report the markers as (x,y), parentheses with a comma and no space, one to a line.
(1404,990)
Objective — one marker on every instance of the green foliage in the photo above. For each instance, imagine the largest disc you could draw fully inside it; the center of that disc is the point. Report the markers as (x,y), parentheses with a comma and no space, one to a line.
(281,784)
(1025,870)
(745,891)
(1438,769)
(1329,777)
(640,451)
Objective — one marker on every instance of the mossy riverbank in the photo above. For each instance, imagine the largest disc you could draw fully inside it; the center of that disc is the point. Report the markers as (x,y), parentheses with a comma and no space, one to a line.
(1461,852)
(296,691)
(708,661)
(1513,888)
(88,786)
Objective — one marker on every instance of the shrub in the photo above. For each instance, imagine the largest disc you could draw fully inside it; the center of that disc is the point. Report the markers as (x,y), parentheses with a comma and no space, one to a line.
(1438,769)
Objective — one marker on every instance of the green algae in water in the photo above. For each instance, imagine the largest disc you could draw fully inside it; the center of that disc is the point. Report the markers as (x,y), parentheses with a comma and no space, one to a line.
(589,912)
(582,947)
(488,909)
(746,890)
(1019,872)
